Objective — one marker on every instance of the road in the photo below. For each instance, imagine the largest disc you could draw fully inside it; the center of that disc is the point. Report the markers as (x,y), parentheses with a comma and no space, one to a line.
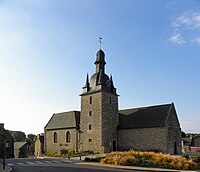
(55,165)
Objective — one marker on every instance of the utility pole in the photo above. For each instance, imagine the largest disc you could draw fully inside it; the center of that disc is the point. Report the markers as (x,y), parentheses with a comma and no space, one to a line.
(4,154)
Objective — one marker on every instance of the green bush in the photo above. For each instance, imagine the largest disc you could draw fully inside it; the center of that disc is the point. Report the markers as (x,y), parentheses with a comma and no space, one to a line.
(96,159)
(87,159)
(196,158)
(53,154)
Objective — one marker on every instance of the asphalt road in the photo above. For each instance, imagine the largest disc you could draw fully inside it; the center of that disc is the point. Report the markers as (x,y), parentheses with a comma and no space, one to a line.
(55,165)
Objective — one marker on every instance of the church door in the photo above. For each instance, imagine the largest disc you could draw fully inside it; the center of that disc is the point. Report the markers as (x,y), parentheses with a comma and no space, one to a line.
(175,148)
(114,145)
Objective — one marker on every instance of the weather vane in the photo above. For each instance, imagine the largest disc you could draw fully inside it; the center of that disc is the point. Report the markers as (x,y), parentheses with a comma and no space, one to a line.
(100,41)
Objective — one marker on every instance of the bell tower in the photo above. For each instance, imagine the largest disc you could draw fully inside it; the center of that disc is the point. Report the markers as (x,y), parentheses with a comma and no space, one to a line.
(99,110)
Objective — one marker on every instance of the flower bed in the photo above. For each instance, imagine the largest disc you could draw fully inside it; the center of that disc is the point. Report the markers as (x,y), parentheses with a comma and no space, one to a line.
(149,159)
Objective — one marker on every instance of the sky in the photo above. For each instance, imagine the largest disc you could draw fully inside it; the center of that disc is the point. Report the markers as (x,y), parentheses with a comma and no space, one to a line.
(47,47)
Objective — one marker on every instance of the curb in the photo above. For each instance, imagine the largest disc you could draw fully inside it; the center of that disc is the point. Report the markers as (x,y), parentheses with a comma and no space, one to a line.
(133,167)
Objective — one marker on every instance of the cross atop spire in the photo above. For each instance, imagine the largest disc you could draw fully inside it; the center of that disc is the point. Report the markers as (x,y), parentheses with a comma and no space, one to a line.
(100,42)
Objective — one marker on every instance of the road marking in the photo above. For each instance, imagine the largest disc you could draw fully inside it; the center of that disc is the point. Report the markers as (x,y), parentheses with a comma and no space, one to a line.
(30,163)
(66,161)
(55,161)
(39,162)
(47,161)
(10,164)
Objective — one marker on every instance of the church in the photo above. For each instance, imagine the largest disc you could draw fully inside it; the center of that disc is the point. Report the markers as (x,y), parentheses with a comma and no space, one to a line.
(101,127)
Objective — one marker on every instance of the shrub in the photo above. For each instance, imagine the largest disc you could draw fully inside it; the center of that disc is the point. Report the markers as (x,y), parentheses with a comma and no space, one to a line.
(53,154)
(63,151)
(196,158)
(150,159)
(96,159)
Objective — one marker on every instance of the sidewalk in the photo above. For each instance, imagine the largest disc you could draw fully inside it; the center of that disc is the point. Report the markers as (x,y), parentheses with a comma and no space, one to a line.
(132,167)
(7,169)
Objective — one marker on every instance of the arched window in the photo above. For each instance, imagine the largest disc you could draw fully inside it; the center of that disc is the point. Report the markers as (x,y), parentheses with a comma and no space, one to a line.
(68,137)
(55,137)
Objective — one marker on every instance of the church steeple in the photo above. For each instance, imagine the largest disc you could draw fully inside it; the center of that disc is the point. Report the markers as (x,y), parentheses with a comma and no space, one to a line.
(100,62)
(99,117)
(99,81)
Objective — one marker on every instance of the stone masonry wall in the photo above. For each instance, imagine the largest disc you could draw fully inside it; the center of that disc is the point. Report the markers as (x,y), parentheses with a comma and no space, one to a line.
(61,143)
(110,121)
(102,116)
(173,134)
(91,139)
(144,139)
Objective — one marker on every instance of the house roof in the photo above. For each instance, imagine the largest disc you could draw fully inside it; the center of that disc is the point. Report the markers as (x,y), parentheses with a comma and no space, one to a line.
(187,140)
(144,117)
(69,119)
(19,145)
(2,139)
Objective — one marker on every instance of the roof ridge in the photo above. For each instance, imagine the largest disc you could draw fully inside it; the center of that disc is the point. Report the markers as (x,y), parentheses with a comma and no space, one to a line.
(66,112)
(142,107)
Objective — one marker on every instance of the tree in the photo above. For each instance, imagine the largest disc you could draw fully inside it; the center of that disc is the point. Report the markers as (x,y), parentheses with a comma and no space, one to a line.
(30,139)
(183,134)
(18,136)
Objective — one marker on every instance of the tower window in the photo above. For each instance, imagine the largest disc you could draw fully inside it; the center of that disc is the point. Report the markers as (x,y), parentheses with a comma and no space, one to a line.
(90,99)
(110,100)
(90,127)
(68,137)
(55,137)
(90,140)
(90,113)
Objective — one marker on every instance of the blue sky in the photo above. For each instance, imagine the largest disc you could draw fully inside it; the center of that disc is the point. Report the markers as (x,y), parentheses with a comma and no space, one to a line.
(47,47)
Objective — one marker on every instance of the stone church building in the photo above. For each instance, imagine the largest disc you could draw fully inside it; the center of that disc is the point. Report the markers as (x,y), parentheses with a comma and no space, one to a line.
(101,127)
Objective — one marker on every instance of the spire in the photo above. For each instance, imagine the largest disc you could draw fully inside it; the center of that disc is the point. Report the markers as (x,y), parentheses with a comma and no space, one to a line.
(99,81)
(87,84)
(112,87)
(111,82)
(100,61)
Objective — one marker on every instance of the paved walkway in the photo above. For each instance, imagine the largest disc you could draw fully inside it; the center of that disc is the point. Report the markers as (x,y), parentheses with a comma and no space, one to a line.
(134,167)
(7,169)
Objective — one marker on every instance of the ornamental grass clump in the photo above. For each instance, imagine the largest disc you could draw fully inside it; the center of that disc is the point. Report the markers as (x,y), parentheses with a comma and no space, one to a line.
(149,159)
(176,162)
(118,159)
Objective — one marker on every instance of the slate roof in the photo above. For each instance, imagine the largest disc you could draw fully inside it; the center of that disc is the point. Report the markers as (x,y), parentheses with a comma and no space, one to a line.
(187,141)
(62,120)
(144,117)
(19,145)
(2,139)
